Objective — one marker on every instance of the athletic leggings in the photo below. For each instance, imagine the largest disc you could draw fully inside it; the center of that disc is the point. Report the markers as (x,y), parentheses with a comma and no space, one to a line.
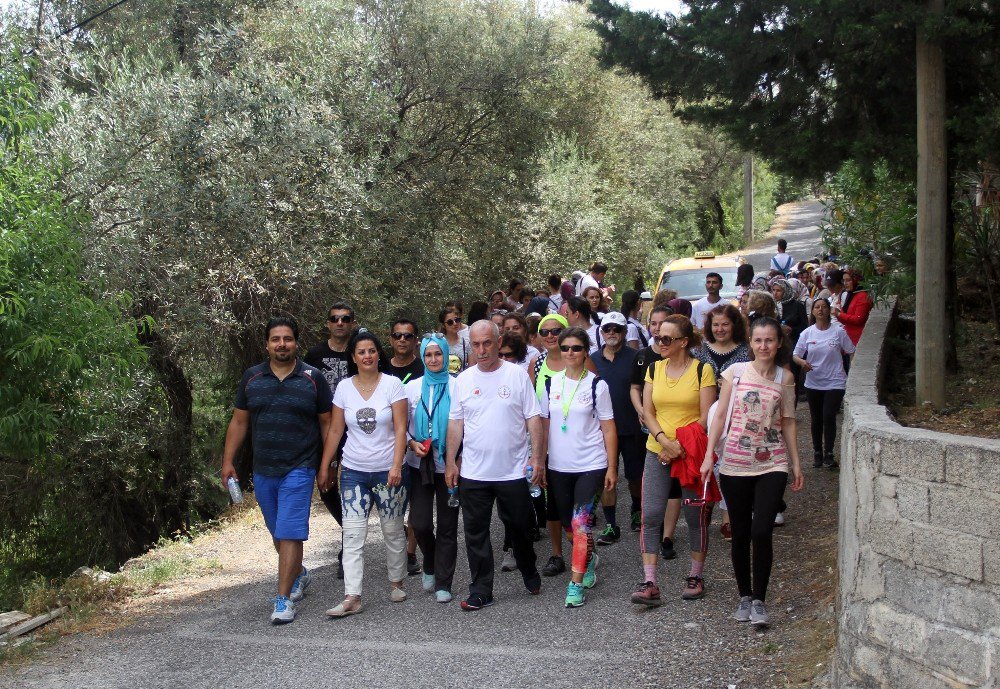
(753,501)
(823,408)
(658,487)
(576,496)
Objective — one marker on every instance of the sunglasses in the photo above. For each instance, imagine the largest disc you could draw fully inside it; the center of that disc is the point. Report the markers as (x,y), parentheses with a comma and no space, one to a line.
(545,332)
(612,328)
(452,321)
(666,340)
(340,319)
(403,336)
(571,348)
(428,336)
(507,355)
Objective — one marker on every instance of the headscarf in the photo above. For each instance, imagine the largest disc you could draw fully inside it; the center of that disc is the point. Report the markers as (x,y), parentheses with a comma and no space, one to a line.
(798,289)
(539,305)
(566,290)
(786,294)
(759,282)
(680,306)
(434,399)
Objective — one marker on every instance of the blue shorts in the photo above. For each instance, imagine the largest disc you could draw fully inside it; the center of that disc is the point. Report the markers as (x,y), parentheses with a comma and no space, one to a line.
(285,501)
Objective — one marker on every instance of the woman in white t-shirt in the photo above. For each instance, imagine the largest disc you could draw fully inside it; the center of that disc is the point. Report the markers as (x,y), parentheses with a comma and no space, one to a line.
(457,336)
(373,408)
(820,352)
(582,438)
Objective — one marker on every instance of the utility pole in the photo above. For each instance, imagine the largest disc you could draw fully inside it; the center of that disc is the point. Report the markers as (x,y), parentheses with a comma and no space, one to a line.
(932,199)
(748,198)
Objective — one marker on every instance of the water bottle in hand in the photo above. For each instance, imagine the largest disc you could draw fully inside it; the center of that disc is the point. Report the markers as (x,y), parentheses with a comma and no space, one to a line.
(453,497)
(533,490)
(234,490)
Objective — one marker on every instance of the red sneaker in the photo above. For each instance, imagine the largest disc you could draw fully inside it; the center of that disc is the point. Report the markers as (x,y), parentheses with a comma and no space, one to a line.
(727,531)
(647,594)
(694,588)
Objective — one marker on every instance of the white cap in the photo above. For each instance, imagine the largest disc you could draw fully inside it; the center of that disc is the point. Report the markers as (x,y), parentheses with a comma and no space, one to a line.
(646,296)
(613,318)
(578,273)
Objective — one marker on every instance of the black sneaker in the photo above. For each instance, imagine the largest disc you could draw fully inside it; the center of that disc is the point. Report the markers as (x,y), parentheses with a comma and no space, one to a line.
(611,534)
(817,460)
(555,565)
(533,583)
(476,601)
(830,462)
(340,565)
(636,520)
(412,566)
(667,551)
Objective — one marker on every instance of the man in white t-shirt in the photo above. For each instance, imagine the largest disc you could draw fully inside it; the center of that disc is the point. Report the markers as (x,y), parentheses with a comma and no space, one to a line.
(699,309)
(592,279)
(493,411)
(782,261)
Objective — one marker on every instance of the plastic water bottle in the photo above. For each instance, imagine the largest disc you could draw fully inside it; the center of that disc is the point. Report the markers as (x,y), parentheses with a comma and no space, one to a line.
(234,490)
(453,497)
(533,490)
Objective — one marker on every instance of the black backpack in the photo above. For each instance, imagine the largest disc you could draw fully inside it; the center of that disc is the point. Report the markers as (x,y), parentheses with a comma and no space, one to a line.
(652,370)
(593,392)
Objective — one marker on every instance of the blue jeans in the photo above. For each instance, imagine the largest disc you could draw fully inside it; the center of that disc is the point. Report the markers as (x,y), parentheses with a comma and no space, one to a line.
(359,492)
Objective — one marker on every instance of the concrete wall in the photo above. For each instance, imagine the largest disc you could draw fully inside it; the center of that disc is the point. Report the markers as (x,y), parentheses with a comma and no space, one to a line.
(919,598)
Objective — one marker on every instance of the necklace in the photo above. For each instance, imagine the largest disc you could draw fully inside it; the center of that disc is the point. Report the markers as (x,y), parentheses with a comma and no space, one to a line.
(672,382)
(366,388)
(566,402)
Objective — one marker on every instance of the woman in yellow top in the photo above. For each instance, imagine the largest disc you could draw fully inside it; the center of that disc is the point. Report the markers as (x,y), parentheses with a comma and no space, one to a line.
(678,391)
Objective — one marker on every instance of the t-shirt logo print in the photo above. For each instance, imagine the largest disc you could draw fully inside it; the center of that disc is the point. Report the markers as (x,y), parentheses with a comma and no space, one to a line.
(366,419)
(503,392)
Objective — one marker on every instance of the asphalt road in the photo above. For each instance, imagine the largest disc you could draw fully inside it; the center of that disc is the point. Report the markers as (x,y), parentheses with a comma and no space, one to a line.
(224,639)
(799,226)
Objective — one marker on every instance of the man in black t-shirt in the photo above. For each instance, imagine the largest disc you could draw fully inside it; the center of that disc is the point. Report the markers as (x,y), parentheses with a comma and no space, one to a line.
(331,357)
(404,364)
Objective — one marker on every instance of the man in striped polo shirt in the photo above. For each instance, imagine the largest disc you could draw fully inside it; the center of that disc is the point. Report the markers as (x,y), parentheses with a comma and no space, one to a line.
(285,405)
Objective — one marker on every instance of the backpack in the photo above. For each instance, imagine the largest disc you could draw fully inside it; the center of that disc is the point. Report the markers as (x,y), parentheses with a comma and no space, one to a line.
(593,392)
(652,370)
(638,327)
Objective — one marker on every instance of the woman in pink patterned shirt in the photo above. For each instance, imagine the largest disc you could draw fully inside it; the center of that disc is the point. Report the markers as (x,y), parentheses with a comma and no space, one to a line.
(759,453)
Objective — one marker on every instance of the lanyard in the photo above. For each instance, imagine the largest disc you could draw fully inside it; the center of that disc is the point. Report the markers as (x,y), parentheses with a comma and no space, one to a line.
(566,402)
(430,414)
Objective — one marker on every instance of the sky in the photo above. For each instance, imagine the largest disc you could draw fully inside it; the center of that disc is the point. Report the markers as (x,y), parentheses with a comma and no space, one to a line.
(659,6)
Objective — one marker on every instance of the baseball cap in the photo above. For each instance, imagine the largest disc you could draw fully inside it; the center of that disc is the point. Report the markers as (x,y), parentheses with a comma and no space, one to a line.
(613,318)
(646,296)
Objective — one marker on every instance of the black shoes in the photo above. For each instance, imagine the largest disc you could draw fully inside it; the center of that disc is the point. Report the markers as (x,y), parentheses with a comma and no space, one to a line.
(555,565)
(412,566)
(667,551)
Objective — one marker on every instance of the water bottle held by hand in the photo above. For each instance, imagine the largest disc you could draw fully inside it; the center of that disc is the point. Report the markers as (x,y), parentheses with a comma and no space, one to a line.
(234,490)
(533,490)
(453,497)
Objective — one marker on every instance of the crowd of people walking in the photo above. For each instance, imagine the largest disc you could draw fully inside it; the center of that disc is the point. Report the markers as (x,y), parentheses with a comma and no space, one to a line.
(531,404)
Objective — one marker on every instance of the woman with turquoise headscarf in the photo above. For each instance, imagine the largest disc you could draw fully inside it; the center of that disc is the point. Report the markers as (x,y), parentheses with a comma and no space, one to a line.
(430,400)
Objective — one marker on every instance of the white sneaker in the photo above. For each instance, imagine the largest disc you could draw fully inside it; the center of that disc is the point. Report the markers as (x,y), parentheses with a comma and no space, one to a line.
(427,582)
(779,519)
(299,587)
(443,596)
(509,564)
(397,595)
(284,611)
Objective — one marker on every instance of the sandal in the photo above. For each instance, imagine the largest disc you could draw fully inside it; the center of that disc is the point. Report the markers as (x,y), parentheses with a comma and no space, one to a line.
(342,609)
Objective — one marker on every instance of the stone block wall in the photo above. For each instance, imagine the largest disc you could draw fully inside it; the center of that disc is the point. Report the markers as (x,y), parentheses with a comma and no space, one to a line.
(919,597)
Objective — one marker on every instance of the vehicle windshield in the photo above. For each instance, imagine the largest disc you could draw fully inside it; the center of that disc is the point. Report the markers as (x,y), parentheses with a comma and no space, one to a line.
(690,284)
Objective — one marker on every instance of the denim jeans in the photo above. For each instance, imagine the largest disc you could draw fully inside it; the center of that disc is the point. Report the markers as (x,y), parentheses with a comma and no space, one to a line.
(359,492)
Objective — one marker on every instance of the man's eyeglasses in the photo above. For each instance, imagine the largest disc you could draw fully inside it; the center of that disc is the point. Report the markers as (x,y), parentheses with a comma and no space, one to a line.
(402,336)
(340,319)
(571,348)
(546,332)
(452,321)
(612,328)
(507,355)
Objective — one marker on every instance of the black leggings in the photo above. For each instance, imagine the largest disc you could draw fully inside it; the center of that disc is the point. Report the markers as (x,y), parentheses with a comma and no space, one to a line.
(823,408)
(753,501)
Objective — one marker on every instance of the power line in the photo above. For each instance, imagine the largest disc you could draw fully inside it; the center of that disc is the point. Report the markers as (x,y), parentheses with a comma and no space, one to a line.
(78,25)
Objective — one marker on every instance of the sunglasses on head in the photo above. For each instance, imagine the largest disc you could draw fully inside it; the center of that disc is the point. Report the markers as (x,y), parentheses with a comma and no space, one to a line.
(546,332)
(340,319)
(612,328)
(571,348)
(402,336)
(452,321)
(428,336)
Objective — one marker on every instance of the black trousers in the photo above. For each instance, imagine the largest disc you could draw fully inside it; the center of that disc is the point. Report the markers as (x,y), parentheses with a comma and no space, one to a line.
(823,408)
(440,549)
(331,498)
(515,511)
(753,501)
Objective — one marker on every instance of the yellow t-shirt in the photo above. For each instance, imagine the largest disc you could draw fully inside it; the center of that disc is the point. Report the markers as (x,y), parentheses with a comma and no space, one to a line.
(677,401)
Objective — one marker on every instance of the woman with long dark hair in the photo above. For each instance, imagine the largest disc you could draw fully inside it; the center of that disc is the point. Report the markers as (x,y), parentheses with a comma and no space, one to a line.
(373,406)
